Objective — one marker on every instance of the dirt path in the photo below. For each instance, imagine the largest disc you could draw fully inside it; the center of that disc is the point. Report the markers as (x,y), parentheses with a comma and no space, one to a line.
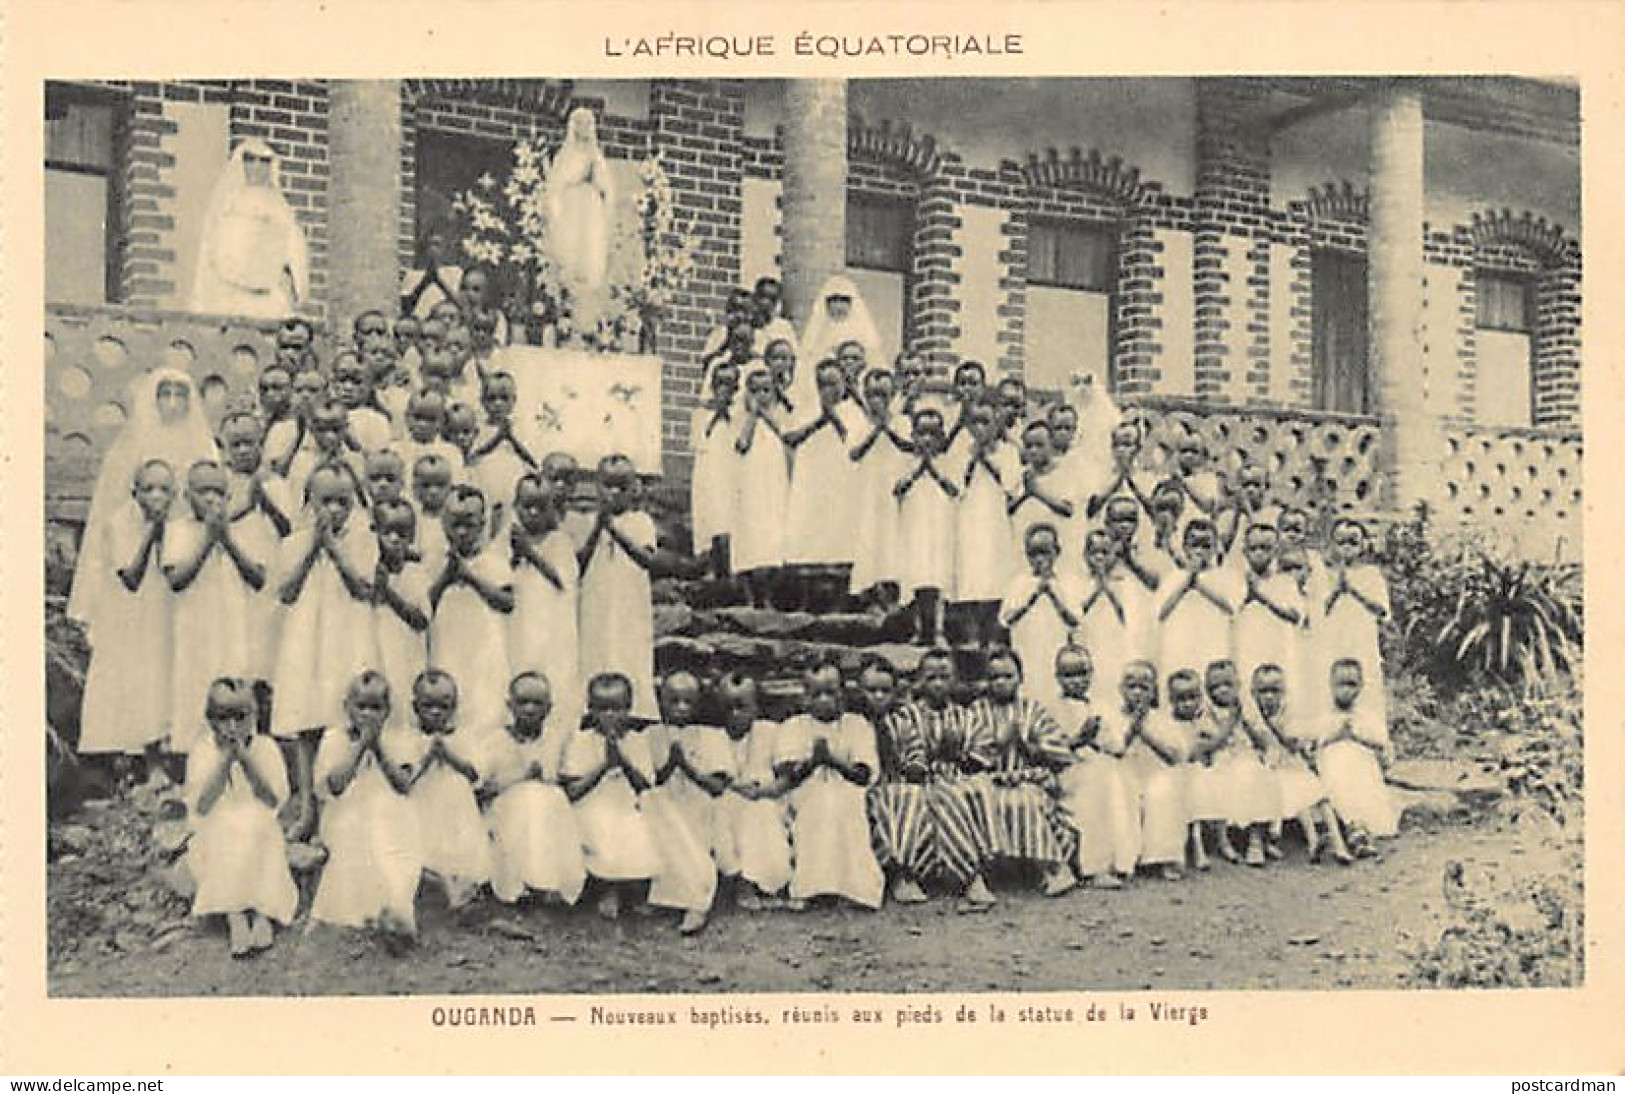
(1292,926)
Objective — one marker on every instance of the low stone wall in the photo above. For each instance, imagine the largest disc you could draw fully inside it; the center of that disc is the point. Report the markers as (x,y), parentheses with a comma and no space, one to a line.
(1520,488)
(93,354)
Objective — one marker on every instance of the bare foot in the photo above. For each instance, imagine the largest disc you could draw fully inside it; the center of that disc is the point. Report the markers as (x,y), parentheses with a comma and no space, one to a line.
(1059,880)
(1105,881)
(242,939)
(979,894)
(609,905)
(905,890)
(693,923)
(260,932)
(1171,872)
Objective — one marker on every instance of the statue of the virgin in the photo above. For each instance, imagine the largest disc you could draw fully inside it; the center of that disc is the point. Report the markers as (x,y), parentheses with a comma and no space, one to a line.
(580,197)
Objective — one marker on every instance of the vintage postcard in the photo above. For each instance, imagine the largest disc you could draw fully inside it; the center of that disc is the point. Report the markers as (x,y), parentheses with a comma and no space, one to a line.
(1052,537)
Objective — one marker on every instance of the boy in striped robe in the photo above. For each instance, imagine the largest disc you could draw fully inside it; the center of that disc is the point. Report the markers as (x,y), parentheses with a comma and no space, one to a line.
(929,814)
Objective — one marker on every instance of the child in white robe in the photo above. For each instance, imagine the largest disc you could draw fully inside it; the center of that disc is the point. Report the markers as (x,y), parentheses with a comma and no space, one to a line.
(617,613)
(1114,612)
(425,419)
(216,584)
(693,765)
(1269,621)
(372,836)
(261,515)
(126,708)
(400,598)
(499,458)
(927,517)
(827,759)
(1154,753)
(1040,608)
(756,534)
(542,634)
(1094,792)
(472,599)
(289,439)
(1230,784)
(235,782)
(880,457)
(822,510)
(327,633)
(534,842)
(456,845)
(327,448)
(986,558)
(1120,477)
(368,424)
(1289,747)
(714,485)
(608,765)
(1349,610)
(1352,757)
(1196,604)
(432,480)
(752,838)
(384,477)
(1042,496)
(273,390)
(461,429)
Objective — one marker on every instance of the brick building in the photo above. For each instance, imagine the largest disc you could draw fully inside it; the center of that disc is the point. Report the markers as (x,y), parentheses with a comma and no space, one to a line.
(1371,285)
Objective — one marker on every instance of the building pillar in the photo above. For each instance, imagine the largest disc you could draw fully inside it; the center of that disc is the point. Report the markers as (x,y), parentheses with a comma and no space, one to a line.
(1410,446)
(364,200)
(814,190)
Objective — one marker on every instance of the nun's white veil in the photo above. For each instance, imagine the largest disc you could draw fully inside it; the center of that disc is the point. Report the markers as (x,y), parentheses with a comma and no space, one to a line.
(146,436)
(823,335)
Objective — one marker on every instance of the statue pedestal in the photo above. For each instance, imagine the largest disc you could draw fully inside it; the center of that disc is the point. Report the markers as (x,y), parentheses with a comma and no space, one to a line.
(590,405)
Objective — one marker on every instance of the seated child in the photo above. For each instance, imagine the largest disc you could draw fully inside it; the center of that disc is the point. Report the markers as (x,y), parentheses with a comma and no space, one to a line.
(534,842)
(1154,762)
(1094,794)
(455,844)
(827,760)
(1351,760)
(1230,786)
(1019,742)
(373,837)
(235,782)
(752,836)
(1288,753)
(607,767)
(693,767)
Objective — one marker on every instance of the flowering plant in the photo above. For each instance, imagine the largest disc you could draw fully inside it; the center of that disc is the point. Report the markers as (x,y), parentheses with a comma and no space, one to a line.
(651,253)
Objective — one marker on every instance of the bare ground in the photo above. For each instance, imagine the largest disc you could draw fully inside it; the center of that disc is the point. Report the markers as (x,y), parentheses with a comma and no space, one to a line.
(1291,926)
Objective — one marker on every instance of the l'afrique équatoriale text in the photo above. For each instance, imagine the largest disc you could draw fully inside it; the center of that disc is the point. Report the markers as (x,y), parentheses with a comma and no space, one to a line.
(724,47)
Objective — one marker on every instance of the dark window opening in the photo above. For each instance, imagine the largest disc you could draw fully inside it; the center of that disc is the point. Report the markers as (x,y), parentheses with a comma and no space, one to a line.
(84,128)
(1342,369)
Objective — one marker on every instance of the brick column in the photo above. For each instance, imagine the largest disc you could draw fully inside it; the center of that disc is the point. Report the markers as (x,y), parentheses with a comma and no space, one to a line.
(814,190)
(1410,450)
(364,200)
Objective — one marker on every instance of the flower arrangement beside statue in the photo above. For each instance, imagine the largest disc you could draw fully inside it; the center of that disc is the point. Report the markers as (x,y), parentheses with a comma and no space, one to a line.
(579,269)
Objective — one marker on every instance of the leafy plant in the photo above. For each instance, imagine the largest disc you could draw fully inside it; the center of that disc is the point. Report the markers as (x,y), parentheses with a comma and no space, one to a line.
(1467,615)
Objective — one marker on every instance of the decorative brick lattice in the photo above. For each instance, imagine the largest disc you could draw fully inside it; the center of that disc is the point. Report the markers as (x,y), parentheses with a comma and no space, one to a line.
(93,354)
(1518,485)
(1315,460)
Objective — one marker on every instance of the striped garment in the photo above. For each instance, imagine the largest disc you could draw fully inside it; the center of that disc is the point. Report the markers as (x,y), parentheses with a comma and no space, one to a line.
(1023,747)
(937,828)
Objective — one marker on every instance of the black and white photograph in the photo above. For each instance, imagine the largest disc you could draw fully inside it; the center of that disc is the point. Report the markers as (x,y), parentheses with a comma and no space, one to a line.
(548,536)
